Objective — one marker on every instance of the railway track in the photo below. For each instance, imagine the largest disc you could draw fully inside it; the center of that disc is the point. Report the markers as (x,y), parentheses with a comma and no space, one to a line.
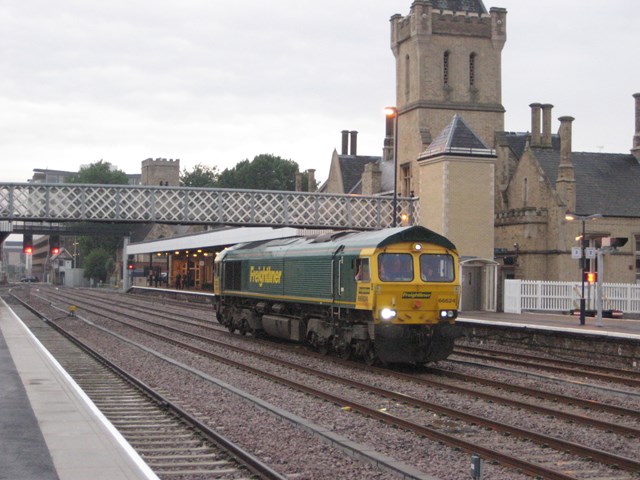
(561,446)
(172,442)
(607,374)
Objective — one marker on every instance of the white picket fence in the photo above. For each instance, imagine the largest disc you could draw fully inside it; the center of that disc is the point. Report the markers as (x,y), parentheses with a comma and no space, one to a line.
(522,295)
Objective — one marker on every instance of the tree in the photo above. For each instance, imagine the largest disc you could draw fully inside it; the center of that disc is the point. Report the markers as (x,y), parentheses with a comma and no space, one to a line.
(200,176)
(100,173)
(98,265)
(264,172)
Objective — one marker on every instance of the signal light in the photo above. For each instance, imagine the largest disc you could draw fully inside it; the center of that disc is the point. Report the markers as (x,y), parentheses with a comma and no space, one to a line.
(54,244)
(130,262)
(27,243)
(590,277)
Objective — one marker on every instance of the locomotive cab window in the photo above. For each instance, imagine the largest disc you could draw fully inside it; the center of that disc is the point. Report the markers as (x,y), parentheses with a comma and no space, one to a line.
(395,267)
(363,274)
(436,268)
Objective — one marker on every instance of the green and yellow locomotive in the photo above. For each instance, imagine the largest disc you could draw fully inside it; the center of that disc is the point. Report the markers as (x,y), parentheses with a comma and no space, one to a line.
(388,295)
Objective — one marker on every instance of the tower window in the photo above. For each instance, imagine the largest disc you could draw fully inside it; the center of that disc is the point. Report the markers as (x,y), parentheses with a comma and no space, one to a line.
(472,70)
(405,179)
(445,68)
(407,76)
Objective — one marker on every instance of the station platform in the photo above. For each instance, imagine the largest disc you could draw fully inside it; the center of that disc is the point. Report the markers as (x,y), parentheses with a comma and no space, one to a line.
(49,429)
(612,327)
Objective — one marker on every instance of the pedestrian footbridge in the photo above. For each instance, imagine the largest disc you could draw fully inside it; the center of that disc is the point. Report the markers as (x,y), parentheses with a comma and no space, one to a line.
(32,202)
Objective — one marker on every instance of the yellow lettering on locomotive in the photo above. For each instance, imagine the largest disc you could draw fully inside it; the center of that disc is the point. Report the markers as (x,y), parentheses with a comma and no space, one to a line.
(262,275)
(411,295)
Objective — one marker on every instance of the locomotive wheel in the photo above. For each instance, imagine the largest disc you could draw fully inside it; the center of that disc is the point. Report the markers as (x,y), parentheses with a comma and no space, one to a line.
(231,328)
(244,328)
(345,352)
(370,357)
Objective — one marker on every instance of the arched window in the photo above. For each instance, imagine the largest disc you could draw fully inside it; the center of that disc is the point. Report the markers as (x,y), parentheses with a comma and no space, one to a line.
(407,77)
(472,70)
(445,68)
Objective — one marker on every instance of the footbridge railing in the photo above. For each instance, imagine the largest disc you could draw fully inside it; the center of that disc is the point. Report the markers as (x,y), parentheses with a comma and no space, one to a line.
(32,202)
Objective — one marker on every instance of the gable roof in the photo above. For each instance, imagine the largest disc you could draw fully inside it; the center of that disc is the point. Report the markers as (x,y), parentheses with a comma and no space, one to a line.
(457,138)
(606,183)
(352,167)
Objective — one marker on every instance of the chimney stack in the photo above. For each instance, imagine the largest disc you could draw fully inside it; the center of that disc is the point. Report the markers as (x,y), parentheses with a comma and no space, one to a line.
(311,180)
(345,142)
(535,124)
(298,182)
(636,138)
(354,143)
(565,182)
(546,124)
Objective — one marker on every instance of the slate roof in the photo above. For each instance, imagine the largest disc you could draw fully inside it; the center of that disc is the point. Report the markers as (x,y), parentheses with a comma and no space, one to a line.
(352,168)
(474,6)
(606,183)
(457,138)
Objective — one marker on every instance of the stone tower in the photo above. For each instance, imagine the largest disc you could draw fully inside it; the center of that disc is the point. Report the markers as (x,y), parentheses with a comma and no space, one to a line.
(448,61)
(161,172)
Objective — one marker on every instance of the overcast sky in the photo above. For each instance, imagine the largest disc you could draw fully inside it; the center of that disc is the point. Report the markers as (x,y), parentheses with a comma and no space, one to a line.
(218,81)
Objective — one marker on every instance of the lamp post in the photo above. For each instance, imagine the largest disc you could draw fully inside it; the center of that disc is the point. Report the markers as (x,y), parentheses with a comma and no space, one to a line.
(392,112)
(584,219)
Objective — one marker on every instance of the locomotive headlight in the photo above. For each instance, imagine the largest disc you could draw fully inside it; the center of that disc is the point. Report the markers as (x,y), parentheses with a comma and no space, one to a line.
(448,314)
(417,247)
(388,313)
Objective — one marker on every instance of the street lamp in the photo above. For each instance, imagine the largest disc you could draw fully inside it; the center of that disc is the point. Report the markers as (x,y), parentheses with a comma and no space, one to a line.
(392,112)
(584,219)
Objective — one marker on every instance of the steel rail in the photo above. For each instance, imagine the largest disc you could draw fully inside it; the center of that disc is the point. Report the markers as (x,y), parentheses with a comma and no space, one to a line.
(242,456)
(561,445)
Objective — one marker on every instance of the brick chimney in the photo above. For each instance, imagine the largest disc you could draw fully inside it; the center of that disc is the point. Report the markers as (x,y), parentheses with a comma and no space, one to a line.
(354,143)
(311,180)
(535,124)
(636,138)
(371,179)
(345,142)
(546,124)
(566,182)
(298,182)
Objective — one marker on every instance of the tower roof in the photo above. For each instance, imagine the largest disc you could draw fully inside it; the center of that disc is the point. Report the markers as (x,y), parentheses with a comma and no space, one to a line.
(457,138)
(473,6)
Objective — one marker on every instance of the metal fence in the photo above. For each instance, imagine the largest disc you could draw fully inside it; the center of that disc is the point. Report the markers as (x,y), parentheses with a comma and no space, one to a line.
(537,295)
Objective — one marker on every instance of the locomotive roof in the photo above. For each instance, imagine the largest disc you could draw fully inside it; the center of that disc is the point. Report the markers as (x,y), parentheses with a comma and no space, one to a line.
(388,236)
(348,239)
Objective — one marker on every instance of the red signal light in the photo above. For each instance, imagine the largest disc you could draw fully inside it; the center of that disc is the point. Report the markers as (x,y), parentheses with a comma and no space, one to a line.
(27,243)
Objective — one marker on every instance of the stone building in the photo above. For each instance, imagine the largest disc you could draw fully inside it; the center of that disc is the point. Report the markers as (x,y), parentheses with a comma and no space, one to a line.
(540,179)
(500,196)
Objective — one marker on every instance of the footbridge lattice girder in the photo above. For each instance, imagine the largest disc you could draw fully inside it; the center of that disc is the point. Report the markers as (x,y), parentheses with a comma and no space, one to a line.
(187,205)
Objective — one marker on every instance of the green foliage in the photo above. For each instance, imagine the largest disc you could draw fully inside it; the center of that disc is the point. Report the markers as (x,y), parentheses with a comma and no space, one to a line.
(200,176)
(98,265)
(100,173)
(264,172)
